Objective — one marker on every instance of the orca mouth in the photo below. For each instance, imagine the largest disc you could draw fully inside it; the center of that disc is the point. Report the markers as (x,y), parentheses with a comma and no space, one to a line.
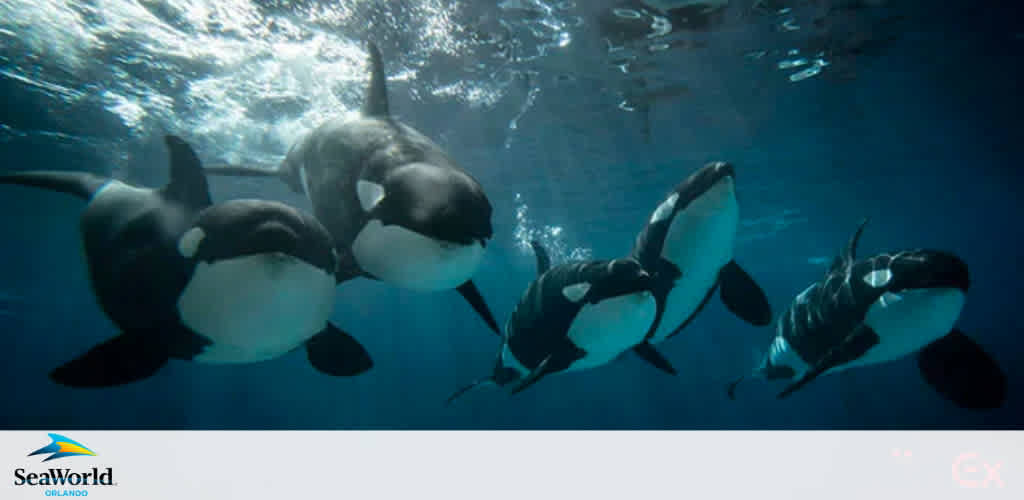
(274,236)
(463,242)
(720,170)
(705,179)
(450,232)
(243,227)
(622,280)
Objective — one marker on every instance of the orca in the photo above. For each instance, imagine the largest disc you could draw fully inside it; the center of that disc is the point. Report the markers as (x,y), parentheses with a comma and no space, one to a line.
(398,207)
(695,228)
(881,309)
(236,282)
(572,317)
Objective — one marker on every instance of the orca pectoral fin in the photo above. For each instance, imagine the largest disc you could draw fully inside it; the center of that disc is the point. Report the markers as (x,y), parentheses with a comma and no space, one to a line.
(538,373)
(80,184)
(862,339)
(472,295)
(476,384)
(123,359)
(650,354)
(809,376)
(337,353)
(225,169)
(742,295)
(960,370)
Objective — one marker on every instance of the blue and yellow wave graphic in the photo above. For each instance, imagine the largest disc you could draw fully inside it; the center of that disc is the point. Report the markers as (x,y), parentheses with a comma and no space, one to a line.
(62,447)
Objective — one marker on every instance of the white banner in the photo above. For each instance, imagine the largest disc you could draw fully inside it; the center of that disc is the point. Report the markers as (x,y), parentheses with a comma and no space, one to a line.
(523,465)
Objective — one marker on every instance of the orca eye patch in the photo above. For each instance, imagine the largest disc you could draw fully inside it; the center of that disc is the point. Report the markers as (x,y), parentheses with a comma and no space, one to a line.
(188,244)
(575,293)
(878,278)
(370,194)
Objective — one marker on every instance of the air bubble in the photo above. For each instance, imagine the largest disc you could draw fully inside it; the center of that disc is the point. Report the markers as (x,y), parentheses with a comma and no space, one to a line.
(626,13)
(791,63)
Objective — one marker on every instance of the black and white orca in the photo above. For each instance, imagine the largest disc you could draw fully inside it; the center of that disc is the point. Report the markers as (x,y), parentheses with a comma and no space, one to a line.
(237,282)
(574,316)
(694,229)
(398,207)
(880,309)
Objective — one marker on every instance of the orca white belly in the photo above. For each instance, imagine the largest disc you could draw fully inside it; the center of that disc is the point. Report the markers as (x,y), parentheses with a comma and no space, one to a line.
(607,329)
(256,307)
(410,260)
(908,321)
(700,241)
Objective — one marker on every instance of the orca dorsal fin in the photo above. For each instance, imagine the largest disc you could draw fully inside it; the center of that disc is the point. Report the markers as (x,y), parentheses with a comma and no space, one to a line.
(849,253)
(375,103)
(188,180)
(543,260)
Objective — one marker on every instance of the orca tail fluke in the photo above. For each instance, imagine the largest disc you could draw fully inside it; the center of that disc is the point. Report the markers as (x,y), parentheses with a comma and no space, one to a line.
(731,388)
(81,184)
(534,376)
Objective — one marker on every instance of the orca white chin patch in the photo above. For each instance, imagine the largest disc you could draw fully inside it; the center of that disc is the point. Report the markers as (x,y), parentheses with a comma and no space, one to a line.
(256,307)
(370,194)
(700,241)
(907,321)
(610,327)
(408,259)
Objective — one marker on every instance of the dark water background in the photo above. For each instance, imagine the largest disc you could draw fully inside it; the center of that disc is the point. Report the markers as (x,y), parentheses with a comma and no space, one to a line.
(927,141)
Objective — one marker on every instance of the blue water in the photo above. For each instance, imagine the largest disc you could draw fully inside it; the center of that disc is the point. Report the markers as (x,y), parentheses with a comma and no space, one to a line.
(926,140)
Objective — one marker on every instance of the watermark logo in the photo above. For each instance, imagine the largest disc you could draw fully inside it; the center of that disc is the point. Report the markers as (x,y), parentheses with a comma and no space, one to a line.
(64,481)
(969,471)
(62,447)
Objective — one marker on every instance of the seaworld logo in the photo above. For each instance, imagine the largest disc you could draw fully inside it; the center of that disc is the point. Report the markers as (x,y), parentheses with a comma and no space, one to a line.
(61,447)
